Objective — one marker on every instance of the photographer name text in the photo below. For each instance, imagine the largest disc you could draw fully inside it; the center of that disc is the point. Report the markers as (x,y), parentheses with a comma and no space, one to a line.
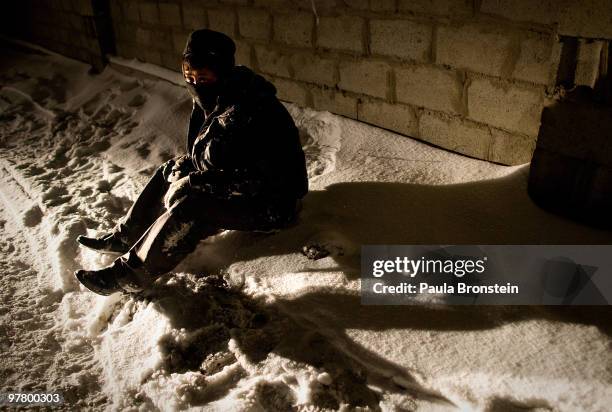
(458,268)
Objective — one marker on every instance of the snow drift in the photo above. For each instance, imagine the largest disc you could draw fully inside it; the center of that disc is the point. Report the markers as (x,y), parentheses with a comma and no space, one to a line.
(247,322)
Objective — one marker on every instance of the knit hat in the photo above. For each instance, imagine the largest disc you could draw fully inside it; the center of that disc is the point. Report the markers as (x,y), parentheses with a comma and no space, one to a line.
(211,49)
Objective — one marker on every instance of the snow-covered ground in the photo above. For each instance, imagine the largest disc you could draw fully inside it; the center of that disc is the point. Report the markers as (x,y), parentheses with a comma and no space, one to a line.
(247,322)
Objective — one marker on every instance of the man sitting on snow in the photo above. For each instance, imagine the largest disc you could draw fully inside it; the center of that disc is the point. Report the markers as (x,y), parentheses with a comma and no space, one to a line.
(244,170)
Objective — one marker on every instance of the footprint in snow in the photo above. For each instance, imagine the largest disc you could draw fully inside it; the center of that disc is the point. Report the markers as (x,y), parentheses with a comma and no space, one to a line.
(33,216)
(137,101)
(216,329)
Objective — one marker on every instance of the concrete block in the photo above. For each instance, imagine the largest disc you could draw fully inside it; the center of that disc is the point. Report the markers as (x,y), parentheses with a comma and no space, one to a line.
(83,7)
(271,61)
(66,5)
(363,76)
(357,4)
(311,68)
(171,61)
(162,39)
(588,62)
(143,36)
(320,6)
(152,56)
(149,13)
(290,91)
(511,149)
(243,53)
(294,29)
(534,63)
(131,11)
(51,18)
(453,8)
(179,38)
(477,48)
(64,36)
(75,21)
(274,4)
(254,23)
(62,19)
(505,105)
(429,87)
(127,50)
(397,117)
(341,33)
(455,134)
(334,101)
(170,14)
(71,22)
(544,12)
(401,38)
(194,16)
(223,20)
(587,18)
(383,5)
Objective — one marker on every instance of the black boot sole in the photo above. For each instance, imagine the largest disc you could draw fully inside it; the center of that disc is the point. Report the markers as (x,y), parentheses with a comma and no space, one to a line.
(104,292)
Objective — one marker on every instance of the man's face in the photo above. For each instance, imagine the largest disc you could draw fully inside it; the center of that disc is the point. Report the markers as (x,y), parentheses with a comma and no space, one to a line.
(203,75)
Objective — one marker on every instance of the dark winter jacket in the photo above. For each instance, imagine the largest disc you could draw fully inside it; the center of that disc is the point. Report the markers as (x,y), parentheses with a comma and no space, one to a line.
(248,145)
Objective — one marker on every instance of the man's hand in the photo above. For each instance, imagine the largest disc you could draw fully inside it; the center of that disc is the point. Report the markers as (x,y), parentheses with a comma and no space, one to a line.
(176,168)
(177,190)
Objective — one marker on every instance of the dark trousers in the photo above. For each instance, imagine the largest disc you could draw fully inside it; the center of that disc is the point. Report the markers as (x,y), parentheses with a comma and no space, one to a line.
(162,237)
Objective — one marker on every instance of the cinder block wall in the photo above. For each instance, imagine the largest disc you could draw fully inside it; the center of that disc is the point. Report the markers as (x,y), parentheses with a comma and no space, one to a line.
(471,76)
(64,26)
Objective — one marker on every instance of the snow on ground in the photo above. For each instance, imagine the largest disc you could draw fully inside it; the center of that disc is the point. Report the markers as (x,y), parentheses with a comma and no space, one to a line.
(247,322)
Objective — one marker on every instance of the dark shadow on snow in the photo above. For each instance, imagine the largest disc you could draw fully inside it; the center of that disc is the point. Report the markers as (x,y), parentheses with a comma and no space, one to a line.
(298,329)
(343,217)
(347,215)
(211,314)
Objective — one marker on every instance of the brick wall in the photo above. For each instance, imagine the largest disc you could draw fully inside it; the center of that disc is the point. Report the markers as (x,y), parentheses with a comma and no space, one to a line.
(471,76)
(64,26)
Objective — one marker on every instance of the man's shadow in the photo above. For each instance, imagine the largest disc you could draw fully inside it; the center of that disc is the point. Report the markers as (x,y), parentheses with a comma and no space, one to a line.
(345,216)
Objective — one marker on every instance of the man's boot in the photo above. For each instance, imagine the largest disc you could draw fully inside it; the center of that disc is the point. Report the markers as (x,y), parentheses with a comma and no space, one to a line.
(120,276)
(111,243)
(103,281)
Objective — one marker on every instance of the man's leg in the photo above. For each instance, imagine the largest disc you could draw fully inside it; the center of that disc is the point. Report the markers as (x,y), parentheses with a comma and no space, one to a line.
(147,207)
(166,242)
(176,233)
(173,236)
